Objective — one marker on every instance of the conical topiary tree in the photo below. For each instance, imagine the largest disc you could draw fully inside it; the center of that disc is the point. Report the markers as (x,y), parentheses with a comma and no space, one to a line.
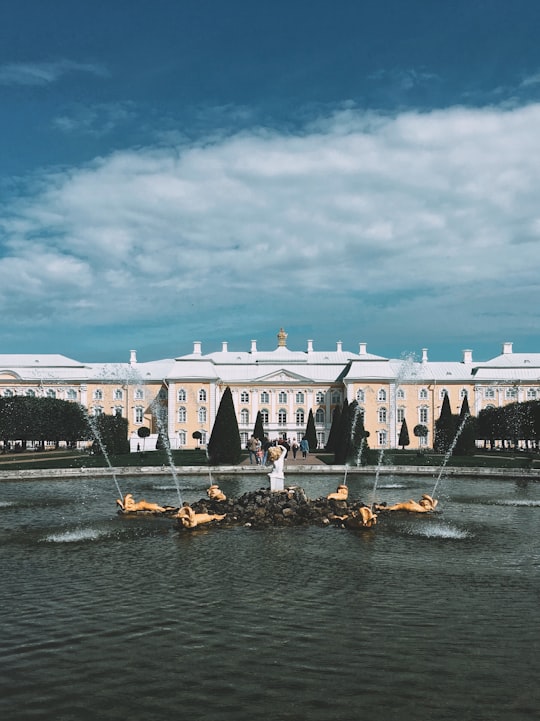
(343,436)
(224,445)
(258,431)
(404,439)
(444,427)
(466,424)
(334,429)
(311,433)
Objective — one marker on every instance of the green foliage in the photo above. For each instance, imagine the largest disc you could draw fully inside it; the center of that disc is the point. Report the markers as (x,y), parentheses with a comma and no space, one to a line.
(404,439)
(445,428)
(258,431)
(466,425)
(113,432)
(311,433)
(26,418)
(420,431)
(224,445)
(351,441)
(334,430)
(343,436)
(510,424)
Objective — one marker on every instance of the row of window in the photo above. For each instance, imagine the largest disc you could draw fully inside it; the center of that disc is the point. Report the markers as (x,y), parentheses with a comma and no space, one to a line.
(264,396)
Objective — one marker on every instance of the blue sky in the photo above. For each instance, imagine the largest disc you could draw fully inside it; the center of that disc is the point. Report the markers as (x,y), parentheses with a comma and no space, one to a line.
(206,170)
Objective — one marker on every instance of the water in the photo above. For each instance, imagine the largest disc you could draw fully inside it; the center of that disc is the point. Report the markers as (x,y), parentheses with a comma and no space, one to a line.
(431,617)
(159,414)
(97,436)
(449,453)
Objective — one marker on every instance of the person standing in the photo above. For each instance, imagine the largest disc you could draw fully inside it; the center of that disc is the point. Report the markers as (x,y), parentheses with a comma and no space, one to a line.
(304,447)
(252,448)
(295,448)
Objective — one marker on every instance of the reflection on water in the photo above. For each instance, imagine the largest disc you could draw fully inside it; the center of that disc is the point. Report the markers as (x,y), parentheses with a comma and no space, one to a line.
(428,617)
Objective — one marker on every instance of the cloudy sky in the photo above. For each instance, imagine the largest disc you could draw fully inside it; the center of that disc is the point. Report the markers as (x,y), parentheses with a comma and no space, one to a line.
(355,170)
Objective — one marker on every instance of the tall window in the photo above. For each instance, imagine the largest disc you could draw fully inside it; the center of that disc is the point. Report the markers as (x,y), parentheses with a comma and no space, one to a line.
(202,415)
(319,398)
(139,414)
(71,395)
(489,392)
(423,414)
(321,439)
(98,411)
(244,397)
(30,393)
(336,397)
(51,393)
(442,393)
(282,417)
(511,393)
(300,397)
(118,411)
(319,416)
(423,394)
(265,397)
(265,416)
(182,414)
(360,396)
(202,396)
(139,394)
(282,398)
(382,415)
(244,416)
(182,396)
(463,393)
(8,393)
(300,417)
(400,415)
(381,395)
(182,438)
(118,394)
(531,394)
(400,394)
(98,394)
(382,438)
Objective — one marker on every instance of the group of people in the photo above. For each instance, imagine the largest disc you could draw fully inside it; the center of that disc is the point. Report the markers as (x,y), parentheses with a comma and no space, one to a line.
(258,450)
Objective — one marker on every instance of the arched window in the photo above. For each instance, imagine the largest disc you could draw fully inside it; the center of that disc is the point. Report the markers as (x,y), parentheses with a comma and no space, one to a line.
(381,395)
(265,415)
(30,393)
(118,394)
(98,394)
(360,396)
(139,394)
(282,417)
(300,417)
(118,411)
(244,416)
(181,396)
(319,398)
(442,393)
(244,397)
(265,397)
(423,394)
(71,395)
(182,414)
(202,395)
(423,415)
(202,415)
(319,416)
(8,393)
(97,411)
(282,398)
(464,393)
(382,415)
(400,395)
(300,397)
(181,439)
(51,393)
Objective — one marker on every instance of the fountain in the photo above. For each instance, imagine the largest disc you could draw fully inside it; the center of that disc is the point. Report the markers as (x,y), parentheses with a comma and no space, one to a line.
(158,413)
(450,451)
(95,431)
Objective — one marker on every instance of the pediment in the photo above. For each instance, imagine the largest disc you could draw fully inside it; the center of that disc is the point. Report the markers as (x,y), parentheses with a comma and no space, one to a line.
(282,376)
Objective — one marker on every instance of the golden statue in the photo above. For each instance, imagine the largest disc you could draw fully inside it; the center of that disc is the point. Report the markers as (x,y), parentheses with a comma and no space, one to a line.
(129,505)
(215,493)
(277,455)
(425,505)
(189,519)
(341,494)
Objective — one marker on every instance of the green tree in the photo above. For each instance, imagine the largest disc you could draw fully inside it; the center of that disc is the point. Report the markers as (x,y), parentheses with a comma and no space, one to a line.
(343,436)
(404,439)
(466,424)
(258,430)
(444,427)
(334,429)
(311,433)
(113,432)
(224,444)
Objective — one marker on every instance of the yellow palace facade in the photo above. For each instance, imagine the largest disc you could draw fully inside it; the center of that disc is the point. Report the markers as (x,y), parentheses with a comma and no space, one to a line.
(179,397)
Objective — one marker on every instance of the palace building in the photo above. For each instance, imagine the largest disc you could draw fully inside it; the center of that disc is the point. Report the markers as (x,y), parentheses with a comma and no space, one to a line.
(180,396)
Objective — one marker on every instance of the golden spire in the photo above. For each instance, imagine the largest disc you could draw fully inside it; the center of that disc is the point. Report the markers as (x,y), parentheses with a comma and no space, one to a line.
(282,338)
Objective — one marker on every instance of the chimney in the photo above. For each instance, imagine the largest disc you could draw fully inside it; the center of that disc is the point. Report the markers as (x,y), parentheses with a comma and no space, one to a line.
(224,346)
(424,355)
(132,357)
(253,346)
(362,348)
(467,356)
(310,346)
(339,347)
(197,347)
(507,348)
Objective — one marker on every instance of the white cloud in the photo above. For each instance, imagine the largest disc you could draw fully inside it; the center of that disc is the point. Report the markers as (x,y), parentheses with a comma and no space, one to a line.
(424,222)
(44,73)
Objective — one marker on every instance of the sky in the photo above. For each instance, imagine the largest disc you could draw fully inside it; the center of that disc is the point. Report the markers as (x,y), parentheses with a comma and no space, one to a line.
(207,170)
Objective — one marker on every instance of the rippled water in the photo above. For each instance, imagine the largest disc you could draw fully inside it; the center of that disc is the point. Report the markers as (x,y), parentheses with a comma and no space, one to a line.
(427,617)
